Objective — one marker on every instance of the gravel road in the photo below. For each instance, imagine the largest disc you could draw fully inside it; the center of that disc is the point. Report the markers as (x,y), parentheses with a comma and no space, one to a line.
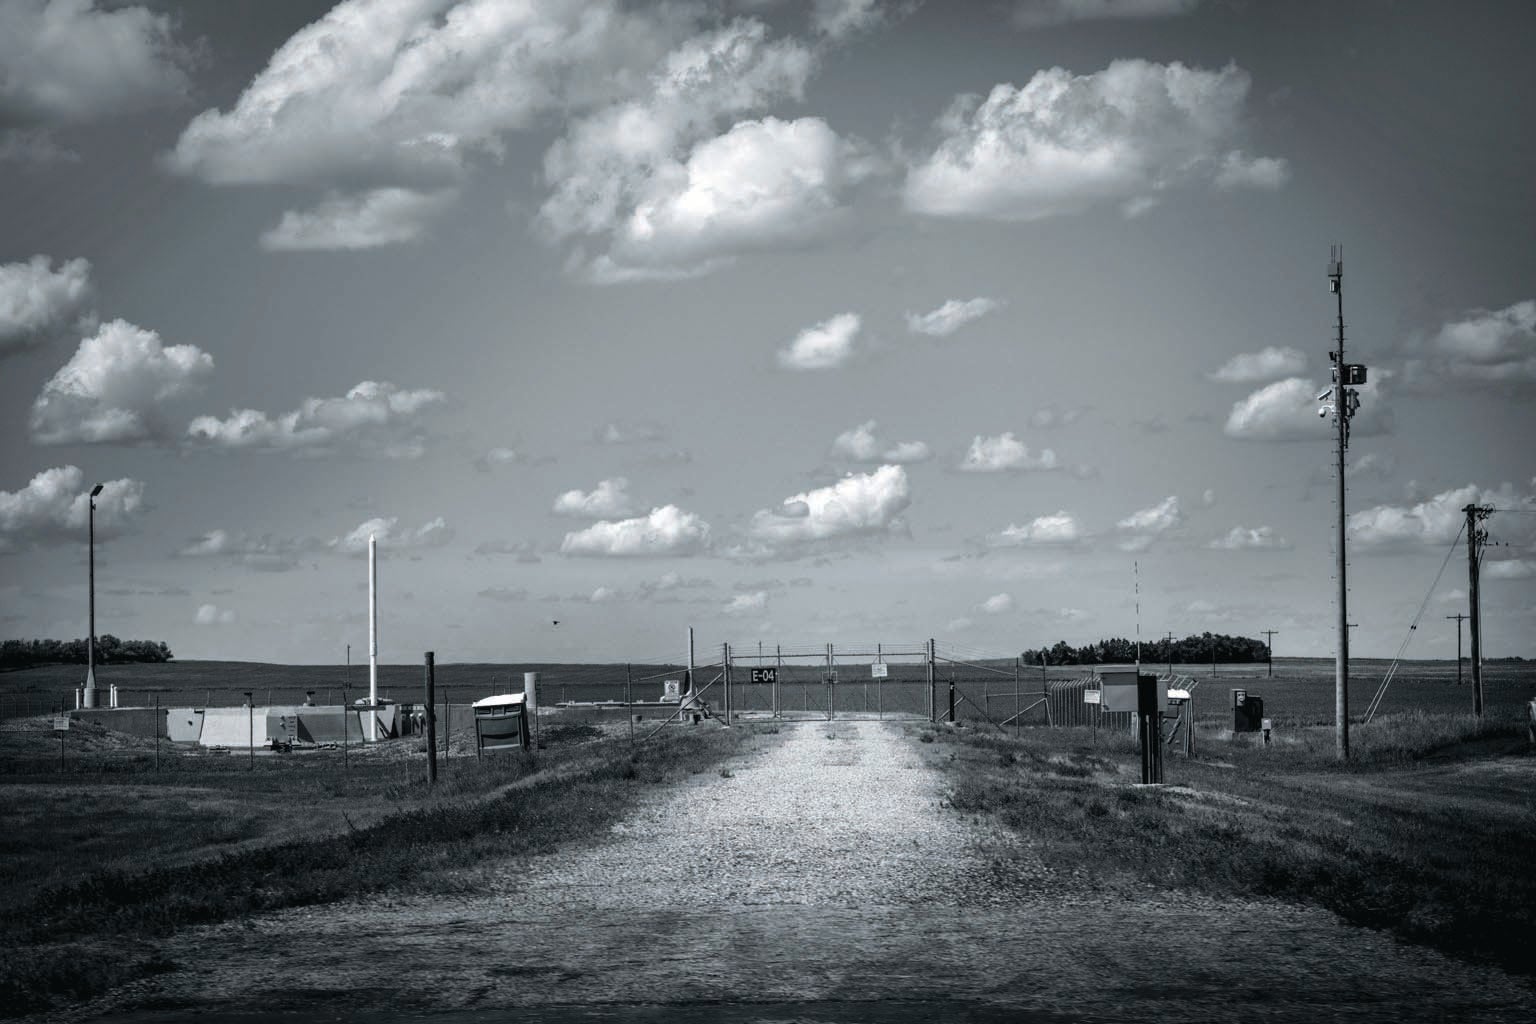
(823,873)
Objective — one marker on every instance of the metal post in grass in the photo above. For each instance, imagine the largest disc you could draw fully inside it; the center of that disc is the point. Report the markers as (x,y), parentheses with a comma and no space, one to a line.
(1018,701)
(157,732)
(725,672)
(447,726)
(1459,618)
(932,681)
(431,720)
(346,725)
(629,704)
(778,698)
(250,725)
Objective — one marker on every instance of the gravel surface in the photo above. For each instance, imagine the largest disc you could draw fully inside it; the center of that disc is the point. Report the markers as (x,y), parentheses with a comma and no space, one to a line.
(823,871)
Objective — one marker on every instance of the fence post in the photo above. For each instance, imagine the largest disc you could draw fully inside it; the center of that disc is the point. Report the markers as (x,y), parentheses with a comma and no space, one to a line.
(431,721)
(778,695)
(933,691)
(725,669)
(831,671)
(1018,700)
(157,732)
(447,726)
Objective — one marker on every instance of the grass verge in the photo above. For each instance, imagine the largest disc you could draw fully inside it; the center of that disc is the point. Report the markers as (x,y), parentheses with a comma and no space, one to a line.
(59,939)
(1436,853)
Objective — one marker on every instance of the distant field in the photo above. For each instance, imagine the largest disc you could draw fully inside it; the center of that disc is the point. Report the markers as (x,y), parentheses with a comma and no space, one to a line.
(1300,693)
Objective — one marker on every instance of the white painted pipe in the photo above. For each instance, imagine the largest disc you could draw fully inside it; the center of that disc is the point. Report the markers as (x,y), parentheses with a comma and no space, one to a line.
(373,637)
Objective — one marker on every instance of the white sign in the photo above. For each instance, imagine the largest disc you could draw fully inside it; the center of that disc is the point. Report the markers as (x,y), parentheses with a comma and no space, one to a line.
(1266,725)
(879,670)
(61,724)
(672,691)
(1090,696)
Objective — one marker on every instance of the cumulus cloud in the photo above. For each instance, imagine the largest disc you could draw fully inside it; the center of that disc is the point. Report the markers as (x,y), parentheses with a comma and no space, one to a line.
(390,536)
(213,615)
(54,506)
(997,604)
(838,19)
(1065,143)
(1264,365)
(1004,453)
(950,317)
(36,300)
(1484,349)
(367,220)
(747,604)
(113,388)
(861,444)
(1287,411)
(1141,529)
(505,594)
(824,346)
(1051,417)
(521,551)
(656,183)
(760,184)
(1241,171)
(1436,521)
(493,457)
(406,93)
(1041,13)
(667,530)
(74,61)
(263,552)
(609,499)
(374,417)
(1510,569)
(630,433)
(1257,538)
(1042,531)
(860,504)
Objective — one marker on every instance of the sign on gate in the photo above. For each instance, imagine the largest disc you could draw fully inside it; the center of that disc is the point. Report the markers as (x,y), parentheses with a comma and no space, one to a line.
(765,675)
(61,724)
(879,670)
(672,690)
(1090,696)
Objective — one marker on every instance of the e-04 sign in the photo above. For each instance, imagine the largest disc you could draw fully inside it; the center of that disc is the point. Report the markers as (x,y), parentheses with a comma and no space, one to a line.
(765,675)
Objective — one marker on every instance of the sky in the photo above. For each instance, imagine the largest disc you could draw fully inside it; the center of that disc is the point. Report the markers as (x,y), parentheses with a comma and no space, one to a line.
(795,322)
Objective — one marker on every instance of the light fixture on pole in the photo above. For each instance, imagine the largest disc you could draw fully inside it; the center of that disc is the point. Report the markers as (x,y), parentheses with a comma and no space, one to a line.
(90,642)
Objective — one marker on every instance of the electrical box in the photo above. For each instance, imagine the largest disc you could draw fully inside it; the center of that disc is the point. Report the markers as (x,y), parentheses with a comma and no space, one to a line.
(1247,711)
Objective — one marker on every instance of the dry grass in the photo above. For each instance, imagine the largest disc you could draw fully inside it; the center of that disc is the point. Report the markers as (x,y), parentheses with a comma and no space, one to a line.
(148,875)
(1423,836)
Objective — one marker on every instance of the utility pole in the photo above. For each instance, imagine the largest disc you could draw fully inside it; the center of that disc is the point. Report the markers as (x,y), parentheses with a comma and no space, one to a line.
(1169,638)
(1345,401)
(1476,538)
(1269,649)
(1459,619)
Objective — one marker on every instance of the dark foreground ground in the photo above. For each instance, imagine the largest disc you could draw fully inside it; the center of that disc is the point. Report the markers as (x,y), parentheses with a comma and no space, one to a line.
(891,872)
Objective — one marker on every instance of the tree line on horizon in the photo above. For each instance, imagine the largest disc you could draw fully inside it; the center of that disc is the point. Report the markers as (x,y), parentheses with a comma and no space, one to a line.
(110,650)
(1205,647)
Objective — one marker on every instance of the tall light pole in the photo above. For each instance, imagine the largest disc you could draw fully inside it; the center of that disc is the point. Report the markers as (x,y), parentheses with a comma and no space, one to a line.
(90,641)
(1269,649)
(1345,401)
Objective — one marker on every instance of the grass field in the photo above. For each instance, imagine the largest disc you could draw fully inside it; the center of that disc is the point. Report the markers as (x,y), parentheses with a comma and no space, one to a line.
(209,839)
(1429,833)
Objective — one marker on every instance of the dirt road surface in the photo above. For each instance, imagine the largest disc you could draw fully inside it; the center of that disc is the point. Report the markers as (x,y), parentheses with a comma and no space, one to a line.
(818,878)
